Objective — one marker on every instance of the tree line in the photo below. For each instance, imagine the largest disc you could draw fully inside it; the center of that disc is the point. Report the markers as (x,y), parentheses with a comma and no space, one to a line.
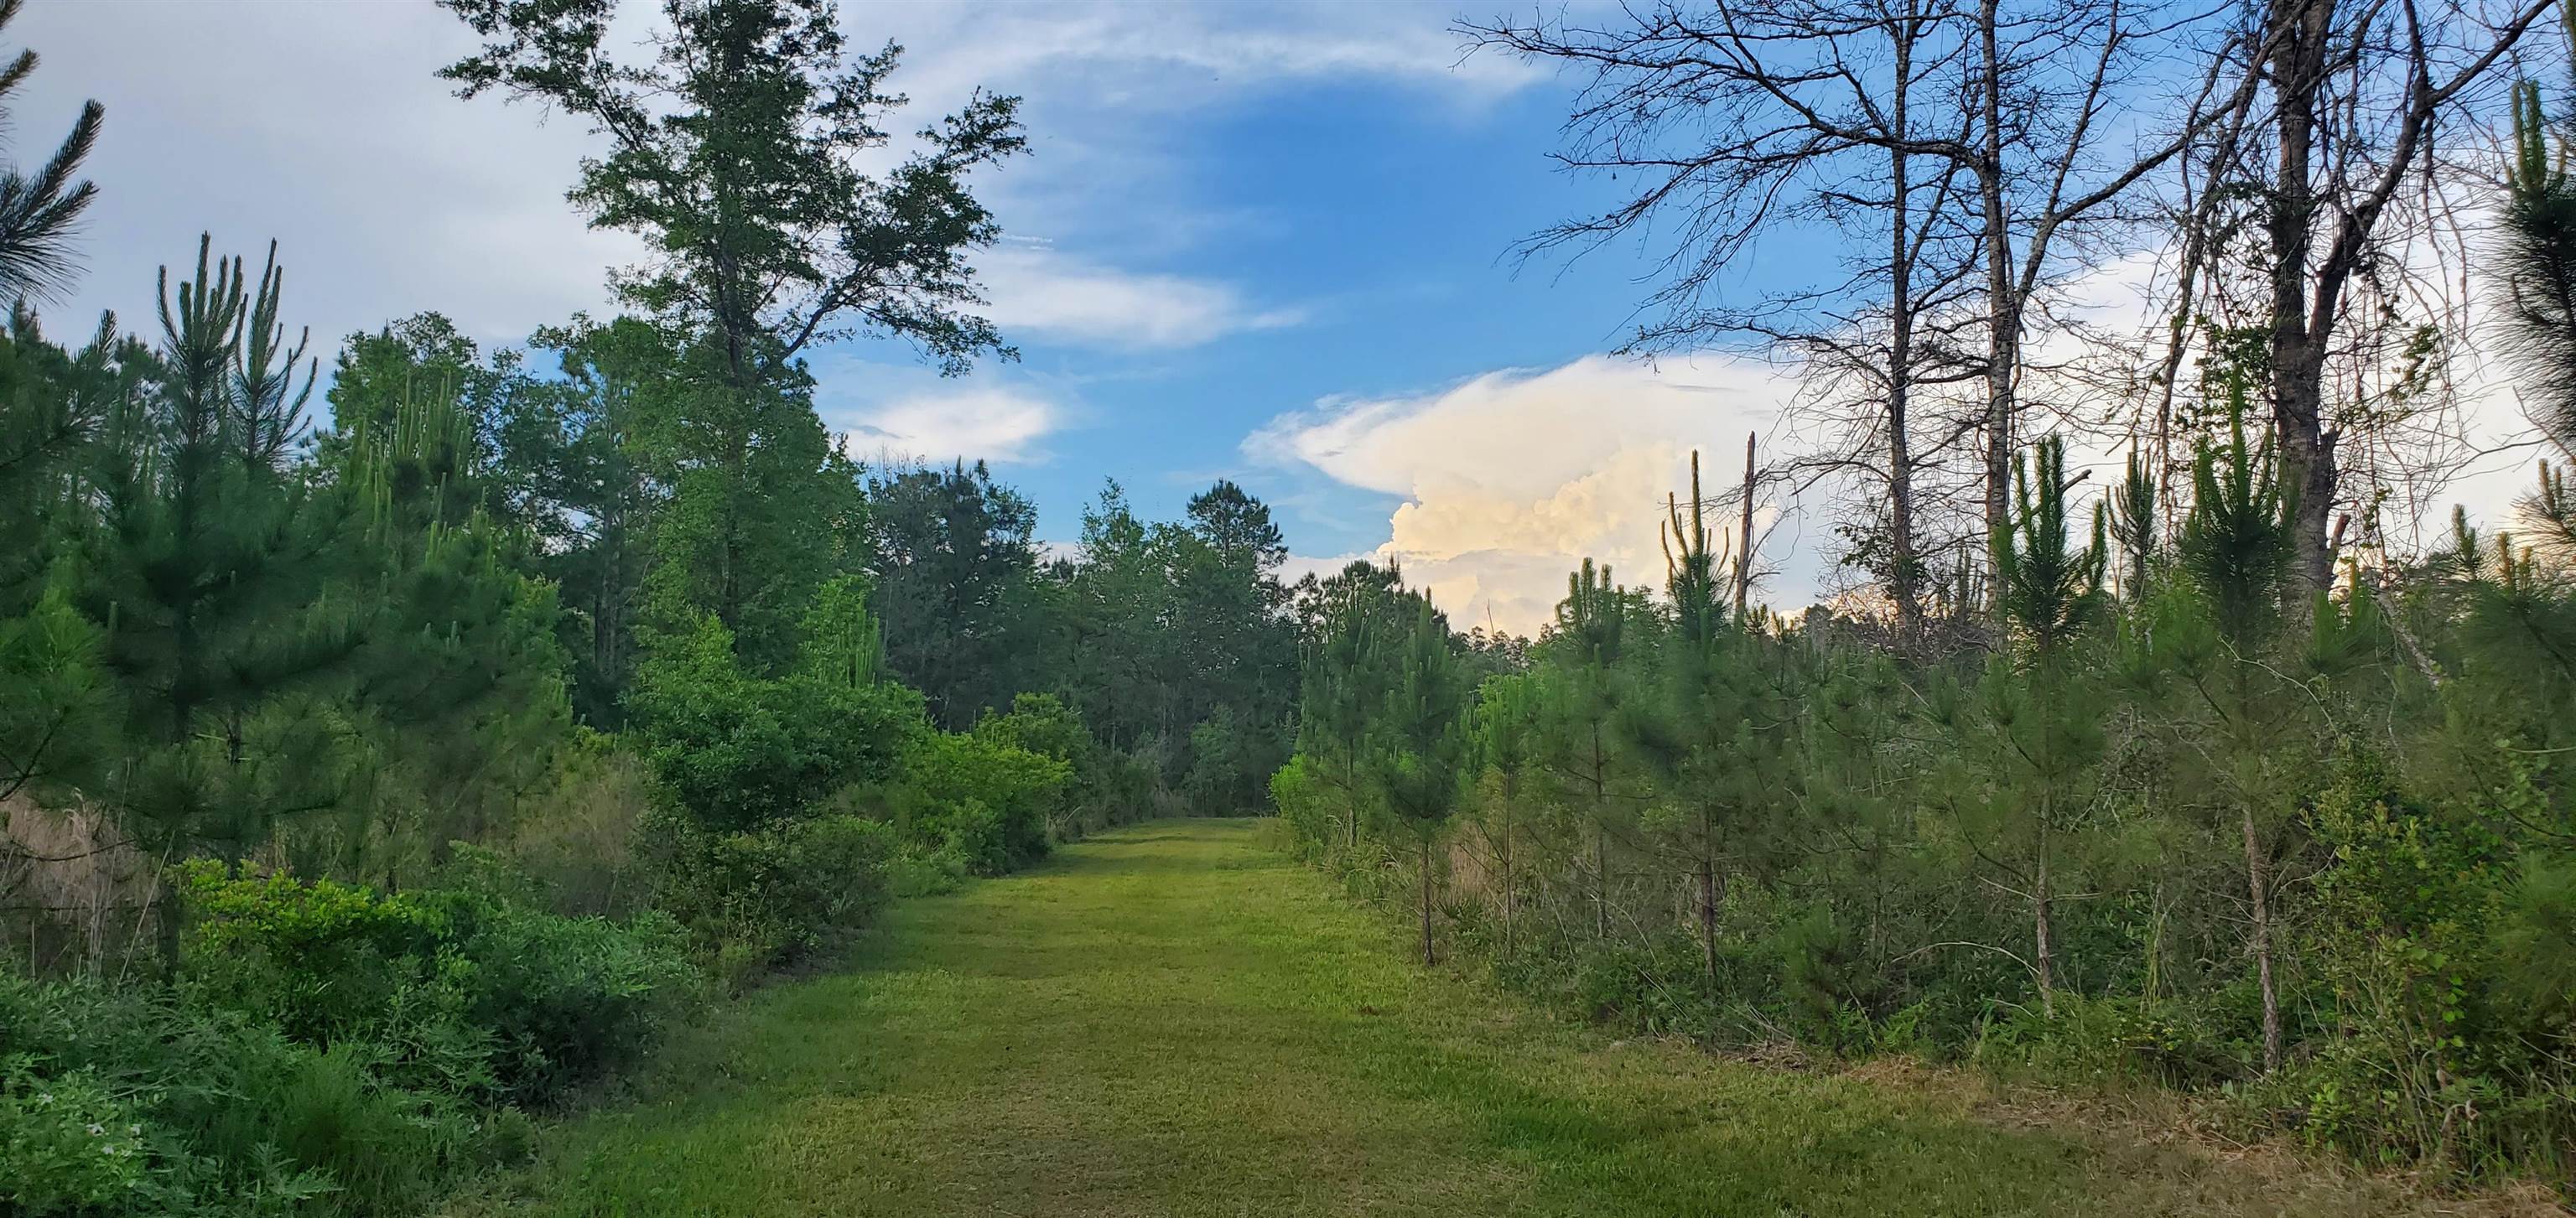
(397,739)
(2194,773)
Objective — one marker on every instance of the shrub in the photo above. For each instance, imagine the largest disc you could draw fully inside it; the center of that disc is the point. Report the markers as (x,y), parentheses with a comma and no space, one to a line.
(986,798)
(1229,755)
(320,958)
(737,751)
(563,999)
(180,1110)
(925,873)
(470,990)
(752,898)
(66,1144)
(577,844)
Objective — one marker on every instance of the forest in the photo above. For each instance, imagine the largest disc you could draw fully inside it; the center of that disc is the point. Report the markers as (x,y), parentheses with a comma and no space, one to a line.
(403,738)
(383,762)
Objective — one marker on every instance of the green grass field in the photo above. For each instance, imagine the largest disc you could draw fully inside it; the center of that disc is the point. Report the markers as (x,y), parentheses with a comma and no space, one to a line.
(1172,1019)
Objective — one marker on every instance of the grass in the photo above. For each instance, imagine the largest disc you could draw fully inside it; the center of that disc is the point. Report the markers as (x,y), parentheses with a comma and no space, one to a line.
(1173,1020)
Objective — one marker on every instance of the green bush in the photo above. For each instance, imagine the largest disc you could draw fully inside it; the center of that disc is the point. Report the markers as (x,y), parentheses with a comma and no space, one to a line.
(66,1144)
(467,991)
(917,872)
(326,1048)
(736,751)
(1229,757)
(128,1101)
(564,1000)
(988,799)
(752,898)
(322,959)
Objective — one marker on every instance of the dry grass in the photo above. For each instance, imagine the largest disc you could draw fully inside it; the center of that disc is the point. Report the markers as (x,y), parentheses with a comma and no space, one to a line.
(72,896)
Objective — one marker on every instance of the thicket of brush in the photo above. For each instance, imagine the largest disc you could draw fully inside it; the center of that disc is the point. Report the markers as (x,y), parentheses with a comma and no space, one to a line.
(2179,824)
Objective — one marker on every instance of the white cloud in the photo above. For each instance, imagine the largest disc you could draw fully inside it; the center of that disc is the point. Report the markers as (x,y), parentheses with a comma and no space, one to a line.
(328,130)
(1510,479)
(970,423)
(1041,292)
(1175,56)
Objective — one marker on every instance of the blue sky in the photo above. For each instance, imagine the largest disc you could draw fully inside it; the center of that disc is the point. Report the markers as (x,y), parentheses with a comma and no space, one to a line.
(1264,242)
(1269,242)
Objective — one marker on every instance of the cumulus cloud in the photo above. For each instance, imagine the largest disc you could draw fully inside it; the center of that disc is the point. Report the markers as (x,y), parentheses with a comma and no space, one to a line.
(972,424)
(1058,296)
(1509,479)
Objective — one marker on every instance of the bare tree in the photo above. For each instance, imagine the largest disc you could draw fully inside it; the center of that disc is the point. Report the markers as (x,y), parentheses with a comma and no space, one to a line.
(1746,119)
(2359,93)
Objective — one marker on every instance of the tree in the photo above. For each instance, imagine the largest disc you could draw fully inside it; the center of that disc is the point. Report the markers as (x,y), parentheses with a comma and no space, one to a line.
(954,566)
(2358,94)
(1507,735)
(1980,145)
(207,573)
(40,214)
(2537,257)
(2050,592)
(1698,738)
(1419,747)
(1350,631)
(595,453)
(1587,642)
(2238,547)
(459,687)
(737,153)
(59,722)
(763,507)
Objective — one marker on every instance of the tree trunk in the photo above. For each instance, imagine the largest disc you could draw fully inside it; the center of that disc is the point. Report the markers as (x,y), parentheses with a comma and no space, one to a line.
(1744,536)
(2297,33)
(1427,959)
(1708,903)
(2003,304)
(1351,794)
(1600,844)
(1902,565)
(2044,951)
(2258,886)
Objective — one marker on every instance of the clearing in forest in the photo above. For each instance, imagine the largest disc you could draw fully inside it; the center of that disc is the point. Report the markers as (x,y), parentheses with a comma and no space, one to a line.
(1173,1019)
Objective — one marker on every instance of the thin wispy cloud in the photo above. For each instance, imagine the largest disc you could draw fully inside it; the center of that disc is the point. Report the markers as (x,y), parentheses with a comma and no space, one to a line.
(970,423)
(1051,295)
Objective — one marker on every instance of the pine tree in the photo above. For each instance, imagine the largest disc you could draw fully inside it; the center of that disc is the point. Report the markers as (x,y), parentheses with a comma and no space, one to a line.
(208,575)
(2236,547)
(1691,562)
(1346,680)
(460,679)
(40,214)
(2049,593)
(2537,258)
(2134,525)
(1508,735)
(1588,643)
(1697,738)
(1420,741)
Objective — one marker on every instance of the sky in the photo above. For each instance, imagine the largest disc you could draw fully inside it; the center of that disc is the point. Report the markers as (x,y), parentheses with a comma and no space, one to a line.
(1265,242)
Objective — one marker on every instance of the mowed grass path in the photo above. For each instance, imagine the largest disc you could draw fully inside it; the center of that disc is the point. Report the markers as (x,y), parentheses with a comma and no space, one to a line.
(1171,1019)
